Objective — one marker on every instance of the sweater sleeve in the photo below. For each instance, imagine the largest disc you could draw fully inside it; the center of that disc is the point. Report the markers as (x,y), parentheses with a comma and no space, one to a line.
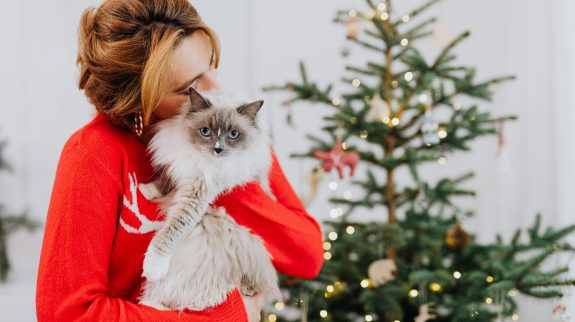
(291,235)
(79,233)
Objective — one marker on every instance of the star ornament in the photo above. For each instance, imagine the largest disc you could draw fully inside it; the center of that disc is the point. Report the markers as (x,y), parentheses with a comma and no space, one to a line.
(338,159)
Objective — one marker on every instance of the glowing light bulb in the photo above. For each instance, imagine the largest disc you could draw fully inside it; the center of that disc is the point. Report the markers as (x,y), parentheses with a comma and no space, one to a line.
(365,283)
(272,318)
(405,18)
(327,256)
(347,195)
(279,306)
(363,134)
(457,275)
(408,76)
(333,185)
(442,160)
(350,230)
(368,317)
(404,42)
(352,13)
(326,245)
(335,101)
(323,313)
(332,235)
(355,82)
(489,279)
(413,293)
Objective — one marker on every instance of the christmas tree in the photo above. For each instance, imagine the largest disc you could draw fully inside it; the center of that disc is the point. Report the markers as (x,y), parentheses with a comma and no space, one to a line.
(9,223)
(417,263)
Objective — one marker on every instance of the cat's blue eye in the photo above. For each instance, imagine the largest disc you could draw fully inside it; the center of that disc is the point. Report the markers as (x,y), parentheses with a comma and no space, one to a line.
(233,134)
(205,131)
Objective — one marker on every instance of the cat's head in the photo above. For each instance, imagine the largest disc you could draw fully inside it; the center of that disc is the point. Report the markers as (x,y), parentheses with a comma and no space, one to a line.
(220,124)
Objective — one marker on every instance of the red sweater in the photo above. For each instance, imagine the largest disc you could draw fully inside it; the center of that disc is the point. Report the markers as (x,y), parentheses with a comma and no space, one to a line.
(99,227)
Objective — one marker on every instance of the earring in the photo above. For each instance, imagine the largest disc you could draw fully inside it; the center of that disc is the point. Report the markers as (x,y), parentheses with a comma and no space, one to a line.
(138,123)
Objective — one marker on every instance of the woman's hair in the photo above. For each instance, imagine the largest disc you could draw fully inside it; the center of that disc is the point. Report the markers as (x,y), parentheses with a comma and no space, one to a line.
(123,53)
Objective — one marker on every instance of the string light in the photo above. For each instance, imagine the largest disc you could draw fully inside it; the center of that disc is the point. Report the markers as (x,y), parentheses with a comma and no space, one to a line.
(456,106)
(327,256)
(323,313)
(408,76)
(272,318)
(332,236)
(488,300)
(404,42)
(353,120)
(279,306)
(413,293)
(515,317)
(489,279)
(405,18)
(435,287)
(349,230)
(395,121)
(335,101)
(368,317)
(326,245)
(512,292)
(363,134)
(385,119)
(381,6)
(423,98)
(394,84)
(352,13)
(384,16)
(457,275)
(333,185)
(335,212)
(442,160)
(329,288)
(344,146)
(442,133)
(365,283)
(347,195)
(355,82)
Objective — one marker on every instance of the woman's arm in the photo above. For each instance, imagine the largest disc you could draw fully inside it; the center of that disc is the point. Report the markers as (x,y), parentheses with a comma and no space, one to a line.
(291,235)
(80,230)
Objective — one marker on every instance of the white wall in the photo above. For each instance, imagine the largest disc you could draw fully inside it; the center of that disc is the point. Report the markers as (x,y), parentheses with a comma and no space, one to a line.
(262,42)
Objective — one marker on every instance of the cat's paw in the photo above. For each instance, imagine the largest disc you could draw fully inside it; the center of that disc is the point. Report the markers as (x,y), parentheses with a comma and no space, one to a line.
(149,190)
(155,266)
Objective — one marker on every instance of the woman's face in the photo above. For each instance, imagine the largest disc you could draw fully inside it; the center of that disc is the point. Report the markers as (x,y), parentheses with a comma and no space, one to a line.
(192,66)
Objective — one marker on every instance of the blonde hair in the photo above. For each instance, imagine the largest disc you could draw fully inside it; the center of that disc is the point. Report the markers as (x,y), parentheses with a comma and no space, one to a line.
(123,53)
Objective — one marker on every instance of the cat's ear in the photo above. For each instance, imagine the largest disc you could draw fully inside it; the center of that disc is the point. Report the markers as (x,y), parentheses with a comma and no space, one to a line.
(251,109)
(199,103)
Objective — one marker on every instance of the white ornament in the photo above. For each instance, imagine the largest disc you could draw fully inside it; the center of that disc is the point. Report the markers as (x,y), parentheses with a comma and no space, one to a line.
(379,111)
(382,271)
(425,313)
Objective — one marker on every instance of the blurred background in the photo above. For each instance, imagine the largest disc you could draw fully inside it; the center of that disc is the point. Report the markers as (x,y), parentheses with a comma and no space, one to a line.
(262,43)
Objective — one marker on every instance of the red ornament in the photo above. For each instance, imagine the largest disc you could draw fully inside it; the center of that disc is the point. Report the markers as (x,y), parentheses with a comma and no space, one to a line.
(337,158)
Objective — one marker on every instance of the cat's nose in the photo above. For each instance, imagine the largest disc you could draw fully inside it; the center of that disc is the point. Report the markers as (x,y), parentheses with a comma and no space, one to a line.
(218,150)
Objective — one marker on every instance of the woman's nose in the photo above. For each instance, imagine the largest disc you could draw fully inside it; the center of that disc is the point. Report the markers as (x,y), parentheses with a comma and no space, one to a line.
(209,80)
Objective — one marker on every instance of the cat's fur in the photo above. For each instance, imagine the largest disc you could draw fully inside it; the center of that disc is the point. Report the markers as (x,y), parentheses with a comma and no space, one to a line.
(199,254)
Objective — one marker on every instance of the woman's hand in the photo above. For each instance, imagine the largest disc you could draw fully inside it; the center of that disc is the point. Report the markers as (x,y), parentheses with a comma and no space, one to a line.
(253,306)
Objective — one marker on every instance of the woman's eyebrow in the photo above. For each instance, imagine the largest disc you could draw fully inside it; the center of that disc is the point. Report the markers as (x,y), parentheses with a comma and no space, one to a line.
(188,83)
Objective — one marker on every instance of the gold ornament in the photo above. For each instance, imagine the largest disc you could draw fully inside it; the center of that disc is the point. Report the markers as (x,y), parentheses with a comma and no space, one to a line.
(457,237)
(379,110)
(382,271)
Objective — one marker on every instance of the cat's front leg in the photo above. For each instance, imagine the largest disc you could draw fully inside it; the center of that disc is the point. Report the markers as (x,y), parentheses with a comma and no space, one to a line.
(188,207)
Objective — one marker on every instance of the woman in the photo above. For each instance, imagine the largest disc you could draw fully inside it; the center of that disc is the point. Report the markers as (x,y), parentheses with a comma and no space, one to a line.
(137,59)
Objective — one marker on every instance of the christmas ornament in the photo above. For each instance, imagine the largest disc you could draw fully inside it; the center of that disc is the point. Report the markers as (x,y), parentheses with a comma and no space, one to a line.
(382,271)
(379,110)
(456,237)
(338,159)
(429,128)
(559,313)
(353,27)
(425,313)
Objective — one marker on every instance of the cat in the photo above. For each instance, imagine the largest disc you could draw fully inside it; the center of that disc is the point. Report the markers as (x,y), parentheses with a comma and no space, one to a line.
(200,254)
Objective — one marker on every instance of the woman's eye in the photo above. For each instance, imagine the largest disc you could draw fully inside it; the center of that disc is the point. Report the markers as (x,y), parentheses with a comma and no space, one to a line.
(233,134)
(205,131)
